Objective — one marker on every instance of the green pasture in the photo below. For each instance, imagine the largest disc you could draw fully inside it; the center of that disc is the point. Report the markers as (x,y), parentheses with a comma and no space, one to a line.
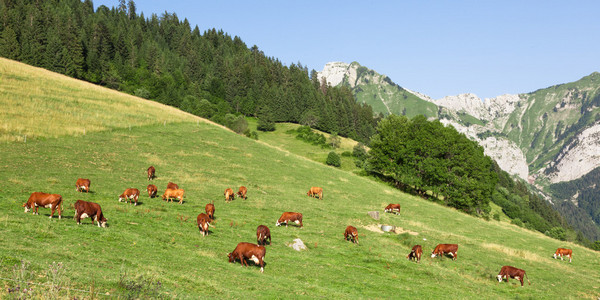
(160,241)
(154,250)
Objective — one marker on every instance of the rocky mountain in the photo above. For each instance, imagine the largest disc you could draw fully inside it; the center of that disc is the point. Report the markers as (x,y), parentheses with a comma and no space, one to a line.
(377,90)
(547,137)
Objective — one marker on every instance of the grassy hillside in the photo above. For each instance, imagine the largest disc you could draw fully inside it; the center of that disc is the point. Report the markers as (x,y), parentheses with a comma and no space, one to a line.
(385,96)
(159,242)
(39,103)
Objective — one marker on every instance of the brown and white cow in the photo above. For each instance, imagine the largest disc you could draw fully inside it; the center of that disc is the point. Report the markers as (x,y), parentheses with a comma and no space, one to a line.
(210,210)
(37,199)
(262,234)
(393,208)
(290,217)
(512,272)
(151,171)
(415,253)
(242,192)
(315,191)
(152,190)
(229,195)
(130,195)
(172,186)
(171,194)
(351,233)
(82,184)
(203,221)
(84,209)
(442,249)
(563,252)
(249,251)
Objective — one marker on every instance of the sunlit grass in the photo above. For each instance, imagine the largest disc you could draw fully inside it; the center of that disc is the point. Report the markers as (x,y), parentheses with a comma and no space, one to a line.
(39,103)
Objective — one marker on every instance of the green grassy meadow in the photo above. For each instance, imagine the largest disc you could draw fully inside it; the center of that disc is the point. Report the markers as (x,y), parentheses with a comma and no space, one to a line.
(159,242)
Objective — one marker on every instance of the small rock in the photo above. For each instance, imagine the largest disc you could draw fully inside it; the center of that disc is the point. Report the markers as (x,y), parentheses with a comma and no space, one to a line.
(298,245)
(374,214)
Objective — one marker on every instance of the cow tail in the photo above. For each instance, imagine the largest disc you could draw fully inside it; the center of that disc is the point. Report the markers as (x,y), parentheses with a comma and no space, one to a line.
(527,278)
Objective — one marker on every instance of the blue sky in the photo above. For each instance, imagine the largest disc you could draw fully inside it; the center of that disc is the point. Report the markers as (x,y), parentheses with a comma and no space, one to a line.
(437,48)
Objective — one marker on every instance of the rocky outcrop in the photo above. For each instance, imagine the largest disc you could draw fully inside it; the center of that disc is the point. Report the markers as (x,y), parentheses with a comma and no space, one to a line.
(578,158)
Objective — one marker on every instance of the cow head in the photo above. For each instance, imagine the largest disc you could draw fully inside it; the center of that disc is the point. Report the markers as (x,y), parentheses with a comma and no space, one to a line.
(121,197)
(433,254)
(27,208)
(554,255)
(231,258)
(499,278)
(102,222)
(277,223)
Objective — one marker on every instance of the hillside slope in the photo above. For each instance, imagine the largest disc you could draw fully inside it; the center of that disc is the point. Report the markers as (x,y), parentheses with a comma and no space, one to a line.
(154,249)
(40,103)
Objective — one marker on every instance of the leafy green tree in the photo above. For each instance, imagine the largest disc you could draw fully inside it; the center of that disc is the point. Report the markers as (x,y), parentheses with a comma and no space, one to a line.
(333,159)
(423,156)
(558,233)
(334,140)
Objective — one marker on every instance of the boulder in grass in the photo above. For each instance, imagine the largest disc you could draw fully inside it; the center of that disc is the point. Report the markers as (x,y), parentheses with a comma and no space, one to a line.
(374,214)
(298,245)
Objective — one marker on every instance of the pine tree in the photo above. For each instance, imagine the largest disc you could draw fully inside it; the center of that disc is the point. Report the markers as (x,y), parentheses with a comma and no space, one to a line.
(9,46)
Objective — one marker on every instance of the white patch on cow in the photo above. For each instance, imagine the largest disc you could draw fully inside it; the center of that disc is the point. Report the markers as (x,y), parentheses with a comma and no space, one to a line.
(254,259)
(432,255)
(517,278)
(27,209)
(83,216)
(35,204)
(554,255)
(262,270)
(451,254)
(48,205)
(499,278)
(297,222)
(103,224)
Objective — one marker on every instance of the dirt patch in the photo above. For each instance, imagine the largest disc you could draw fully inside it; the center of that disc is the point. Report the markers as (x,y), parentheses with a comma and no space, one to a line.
(397,230)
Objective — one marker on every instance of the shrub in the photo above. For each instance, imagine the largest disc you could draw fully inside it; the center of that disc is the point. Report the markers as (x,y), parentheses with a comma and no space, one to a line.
(346,154)
(333,159)
(265,125)
(236,123)
(496,216)
(558,233)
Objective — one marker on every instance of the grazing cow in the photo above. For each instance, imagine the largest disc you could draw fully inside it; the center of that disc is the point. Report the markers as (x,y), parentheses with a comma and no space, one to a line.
(82,184)
(442,249)
(250,251)
(262,234)
(415,253)
(315,191)
(84,209)
(171,193)
(563,252)
(172,186)
(512,272)
(151,171)
(152,190)
(242,192)
(130,195)
(37,199)
(290,217)
(203,221)
(229,195)
(210,210)
(351,233)
(393,208)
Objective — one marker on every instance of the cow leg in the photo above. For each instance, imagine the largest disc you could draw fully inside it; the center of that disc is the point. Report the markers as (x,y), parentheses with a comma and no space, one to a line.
(569,258)
(262,264)
(59,206)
